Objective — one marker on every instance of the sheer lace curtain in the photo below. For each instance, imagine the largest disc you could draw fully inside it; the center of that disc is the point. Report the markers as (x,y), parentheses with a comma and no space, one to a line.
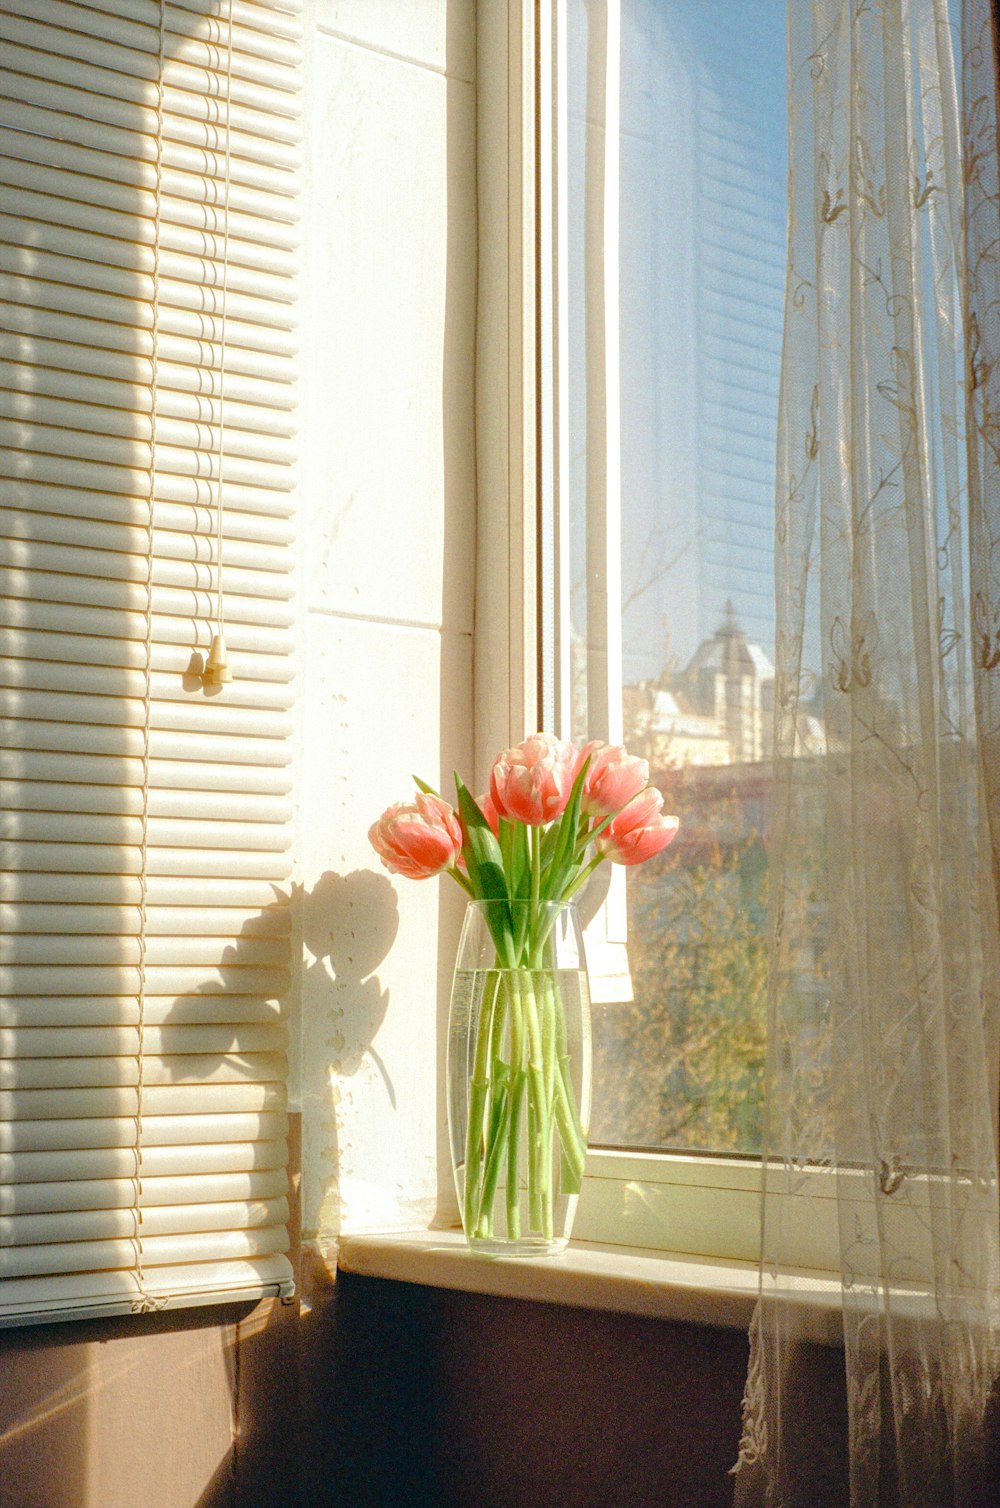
(885,992)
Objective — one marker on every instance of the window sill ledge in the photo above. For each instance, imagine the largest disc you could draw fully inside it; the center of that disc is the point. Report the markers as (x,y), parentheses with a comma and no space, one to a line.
(623,1279)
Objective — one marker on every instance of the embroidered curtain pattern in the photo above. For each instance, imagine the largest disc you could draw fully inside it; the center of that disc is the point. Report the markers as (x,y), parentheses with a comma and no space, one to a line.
(883,1015)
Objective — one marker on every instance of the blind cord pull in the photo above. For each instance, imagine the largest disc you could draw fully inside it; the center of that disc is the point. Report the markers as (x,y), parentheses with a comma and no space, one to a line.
(217,672)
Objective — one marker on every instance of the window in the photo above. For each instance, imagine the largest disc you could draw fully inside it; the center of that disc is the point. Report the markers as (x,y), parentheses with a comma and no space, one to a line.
(148,157)
(661,207)
(694,146)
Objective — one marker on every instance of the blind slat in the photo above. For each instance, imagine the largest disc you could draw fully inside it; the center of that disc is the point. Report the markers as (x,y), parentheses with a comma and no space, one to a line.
(98,859)
(125,438)
(60,110)
(40,1114)
(69,888)
(205,23)
(191,65)
(35,267)
(195,31)
(94,177)
(253,188)
(171,1043)
(124,601)
(117,1224)
(110,394)
(73,1011)
(31,193)
(84,1256)
(125,540)
(120,1162)
(187,806)
(91,1294)
(63,1072)
(136,372)
(186,256)
(109,1133)
(85,949)
(25,558)
(111,1193)
(251,109)
(168,775)
(127,743)
(126,715)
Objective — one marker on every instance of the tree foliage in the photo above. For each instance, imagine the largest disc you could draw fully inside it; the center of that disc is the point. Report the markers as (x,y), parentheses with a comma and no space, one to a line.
(682,1064)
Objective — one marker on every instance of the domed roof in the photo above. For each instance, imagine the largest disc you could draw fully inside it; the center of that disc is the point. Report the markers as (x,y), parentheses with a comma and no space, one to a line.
(730,653)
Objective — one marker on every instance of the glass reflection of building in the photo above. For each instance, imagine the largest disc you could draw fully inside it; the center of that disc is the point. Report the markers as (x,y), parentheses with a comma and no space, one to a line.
(703,225)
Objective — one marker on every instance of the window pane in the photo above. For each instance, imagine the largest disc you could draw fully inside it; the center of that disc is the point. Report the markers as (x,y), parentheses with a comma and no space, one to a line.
(701,214)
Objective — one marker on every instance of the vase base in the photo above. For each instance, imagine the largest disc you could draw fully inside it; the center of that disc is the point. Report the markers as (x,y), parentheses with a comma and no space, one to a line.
(524,1246)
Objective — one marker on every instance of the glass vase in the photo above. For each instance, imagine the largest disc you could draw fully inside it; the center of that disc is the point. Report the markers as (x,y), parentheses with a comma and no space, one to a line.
(519,1075)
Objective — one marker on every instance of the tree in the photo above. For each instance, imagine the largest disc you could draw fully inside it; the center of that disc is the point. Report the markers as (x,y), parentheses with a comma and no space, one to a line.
(682,1064)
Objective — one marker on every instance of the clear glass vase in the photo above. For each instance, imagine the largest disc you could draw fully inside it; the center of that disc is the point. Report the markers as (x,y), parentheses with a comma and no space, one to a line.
(519,1074)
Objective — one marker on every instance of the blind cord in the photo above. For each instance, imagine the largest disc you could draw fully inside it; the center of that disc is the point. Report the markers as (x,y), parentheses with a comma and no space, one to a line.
(217,671)
(144,1301)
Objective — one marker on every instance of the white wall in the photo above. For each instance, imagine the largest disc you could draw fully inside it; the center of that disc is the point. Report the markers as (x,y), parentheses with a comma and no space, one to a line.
(388,496)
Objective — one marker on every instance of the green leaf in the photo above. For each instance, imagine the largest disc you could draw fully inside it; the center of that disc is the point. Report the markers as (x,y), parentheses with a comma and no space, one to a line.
(520,861)
(550,841)
(514,848)
(565,847)
(422,785)
(484,862)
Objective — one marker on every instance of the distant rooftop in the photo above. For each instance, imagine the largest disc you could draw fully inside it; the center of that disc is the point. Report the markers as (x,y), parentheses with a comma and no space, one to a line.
(729,650)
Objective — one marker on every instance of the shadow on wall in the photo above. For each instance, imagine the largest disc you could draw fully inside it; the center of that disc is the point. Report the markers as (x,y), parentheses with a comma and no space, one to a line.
(348,924)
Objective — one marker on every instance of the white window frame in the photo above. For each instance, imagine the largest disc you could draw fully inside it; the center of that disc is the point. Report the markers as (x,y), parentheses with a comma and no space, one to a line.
(691,1204)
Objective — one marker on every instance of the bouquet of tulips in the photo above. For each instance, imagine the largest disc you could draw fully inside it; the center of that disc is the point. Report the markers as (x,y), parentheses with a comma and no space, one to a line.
(552,814)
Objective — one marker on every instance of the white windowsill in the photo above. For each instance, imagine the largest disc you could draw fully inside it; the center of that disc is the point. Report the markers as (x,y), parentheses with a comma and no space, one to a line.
(624,1279)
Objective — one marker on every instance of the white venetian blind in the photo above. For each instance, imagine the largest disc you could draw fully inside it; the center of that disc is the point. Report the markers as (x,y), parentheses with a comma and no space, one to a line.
(148,181)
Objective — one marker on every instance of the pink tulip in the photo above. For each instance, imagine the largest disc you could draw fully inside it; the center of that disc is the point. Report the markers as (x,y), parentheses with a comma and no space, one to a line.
(489,811)
(418,840)
(639,831)
(614,777)
(532,782)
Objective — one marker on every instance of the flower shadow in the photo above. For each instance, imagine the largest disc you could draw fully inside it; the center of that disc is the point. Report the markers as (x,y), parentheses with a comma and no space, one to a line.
(345,926)
(348,924)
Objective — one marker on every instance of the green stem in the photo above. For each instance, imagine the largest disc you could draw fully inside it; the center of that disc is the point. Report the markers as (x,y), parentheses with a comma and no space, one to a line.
(479,1092)
(574,1144)
(523,1019)
(474,1154)
(516,1097)
(513,1153)
(463,880)
(483,1225)
(536,869)
(534,1162)
(582,877)
(538,1174)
